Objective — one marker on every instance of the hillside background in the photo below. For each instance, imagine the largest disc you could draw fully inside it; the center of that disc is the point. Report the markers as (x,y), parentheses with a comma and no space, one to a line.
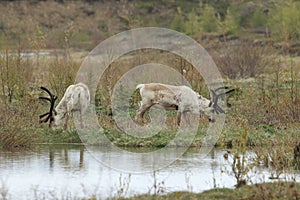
(83,24)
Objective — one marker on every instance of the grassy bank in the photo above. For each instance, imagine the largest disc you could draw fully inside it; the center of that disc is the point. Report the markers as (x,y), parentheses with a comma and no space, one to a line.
(280,190)
(264,109)
(271,191)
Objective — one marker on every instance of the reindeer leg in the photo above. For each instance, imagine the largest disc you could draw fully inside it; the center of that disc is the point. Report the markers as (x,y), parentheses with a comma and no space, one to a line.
(66,121)
(140,113)
(178,117)
(211,119)
(69,110)
(186,118)
(81,121)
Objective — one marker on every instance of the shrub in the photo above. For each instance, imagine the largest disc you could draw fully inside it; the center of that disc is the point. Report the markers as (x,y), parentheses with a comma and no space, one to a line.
(208,20)
(259,19)
(285,21)
(229,25)
(62,74)
(17,122)
(243,60)
(178,22)
(15,74)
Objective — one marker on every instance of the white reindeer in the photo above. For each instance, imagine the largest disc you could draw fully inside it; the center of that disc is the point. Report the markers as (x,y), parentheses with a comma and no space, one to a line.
(180,98)
(76,98)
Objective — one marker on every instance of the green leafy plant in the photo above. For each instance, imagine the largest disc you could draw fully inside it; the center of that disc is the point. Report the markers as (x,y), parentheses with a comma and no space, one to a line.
(208,20)
(14,76)
(285,21)
(239,160)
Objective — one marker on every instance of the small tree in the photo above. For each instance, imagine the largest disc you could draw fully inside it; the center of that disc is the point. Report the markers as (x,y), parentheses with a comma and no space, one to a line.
(38,41)
(285,22)
(243,60)
(259,18)
(192,25)
(61,75)
(178,22)
(13,74)
(68,34)
(209,20)
(229,25)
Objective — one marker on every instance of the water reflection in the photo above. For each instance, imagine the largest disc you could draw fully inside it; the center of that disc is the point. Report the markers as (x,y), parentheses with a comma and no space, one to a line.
(61,153)
(70,170)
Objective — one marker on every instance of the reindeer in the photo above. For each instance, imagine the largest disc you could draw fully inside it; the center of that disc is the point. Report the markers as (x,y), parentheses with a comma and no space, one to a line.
(180,98)
(76,98)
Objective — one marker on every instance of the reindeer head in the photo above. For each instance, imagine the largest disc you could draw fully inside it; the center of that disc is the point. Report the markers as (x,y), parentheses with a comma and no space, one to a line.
(215,98)
(48,116)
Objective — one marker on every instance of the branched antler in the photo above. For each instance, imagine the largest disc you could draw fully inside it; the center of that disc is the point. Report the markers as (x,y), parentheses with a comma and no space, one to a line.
(52,112)
(215,98)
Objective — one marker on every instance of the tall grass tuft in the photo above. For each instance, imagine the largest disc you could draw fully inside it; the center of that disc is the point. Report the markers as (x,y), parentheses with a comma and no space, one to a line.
(17,124)
(17,104)
(62,74)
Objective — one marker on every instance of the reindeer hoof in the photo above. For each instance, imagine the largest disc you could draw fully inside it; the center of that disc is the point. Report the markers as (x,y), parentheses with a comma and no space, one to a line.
(212,120)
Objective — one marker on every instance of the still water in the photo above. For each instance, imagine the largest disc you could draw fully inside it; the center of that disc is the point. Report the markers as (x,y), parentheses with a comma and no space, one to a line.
(70,171)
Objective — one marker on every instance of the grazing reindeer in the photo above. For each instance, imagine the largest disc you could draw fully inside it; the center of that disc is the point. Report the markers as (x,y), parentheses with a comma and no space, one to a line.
(180,98)
(76,98)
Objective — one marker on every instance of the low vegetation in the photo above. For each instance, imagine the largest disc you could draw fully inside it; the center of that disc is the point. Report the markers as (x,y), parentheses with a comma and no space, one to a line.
(281,190)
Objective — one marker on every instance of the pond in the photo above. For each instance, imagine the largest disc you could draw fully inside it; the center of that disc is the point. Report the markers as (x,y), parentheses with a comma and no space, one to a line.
(70,171)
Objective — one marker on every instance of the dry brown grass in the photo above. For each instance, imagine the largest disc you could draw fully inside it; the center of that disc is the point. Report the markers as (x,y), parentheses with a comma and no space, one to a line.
(17,124)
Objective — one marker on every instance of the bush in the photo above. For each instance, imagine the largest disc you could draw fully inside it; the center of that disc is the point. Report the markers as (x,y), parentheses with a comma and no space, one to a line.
(15,74)
(243,60)
(229,25)
(178,22)
(259,19)
(285,21)
(62,74)
(17,124)
(208,20)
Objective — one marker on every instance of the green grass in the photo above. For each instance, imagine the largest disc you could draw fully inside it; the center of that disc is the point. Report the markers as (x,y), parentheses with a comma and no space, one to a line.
(147,4)
(258,136)
(57,135)
(280,190)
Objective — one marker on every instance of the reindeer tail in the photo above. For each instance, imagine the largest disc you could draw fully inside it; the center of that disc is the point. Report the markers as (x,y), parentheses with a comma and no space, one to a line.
(139,86)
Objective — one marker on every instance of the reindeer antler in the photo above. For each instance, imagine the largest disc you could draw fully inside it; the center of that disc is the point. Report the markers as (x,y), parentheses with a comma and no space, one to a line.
(50,114)
(215,98)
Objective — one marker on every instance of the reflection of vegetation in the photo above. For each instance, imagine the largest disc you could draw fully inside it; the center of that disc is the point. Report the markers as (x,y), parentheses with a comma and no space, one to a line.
(123,185)
(278,156)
